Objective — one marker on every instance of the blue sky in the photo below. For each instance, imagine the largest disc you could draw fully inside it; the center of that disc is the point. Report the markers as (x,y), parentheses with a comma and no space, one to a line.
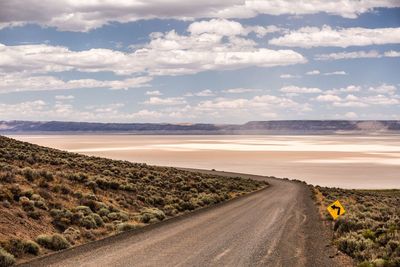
(230,62)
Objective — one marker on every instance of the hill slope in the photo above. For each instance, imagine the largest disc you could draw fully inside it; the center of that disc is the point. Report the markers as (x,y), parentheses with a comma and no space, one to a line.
(50,199)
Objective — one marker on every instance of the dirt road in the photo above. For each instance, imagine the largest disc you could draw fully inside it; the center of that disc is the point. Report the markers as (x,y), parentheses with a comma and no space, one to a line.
(278,226)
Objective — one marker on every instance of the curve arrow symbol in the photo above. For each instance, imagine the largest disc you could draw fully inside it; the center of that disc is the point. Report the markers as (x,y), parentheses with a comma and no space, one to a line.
(334,207)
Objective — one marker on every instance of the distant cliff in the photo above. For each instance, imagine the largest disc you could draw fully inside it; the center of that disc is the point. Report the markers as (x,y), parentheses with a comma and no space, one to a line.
(252,127)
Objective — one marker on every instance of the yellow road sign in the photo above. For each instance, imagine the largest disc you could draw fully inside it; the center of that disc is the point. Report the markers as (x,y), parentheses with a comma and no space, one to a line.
(336,209)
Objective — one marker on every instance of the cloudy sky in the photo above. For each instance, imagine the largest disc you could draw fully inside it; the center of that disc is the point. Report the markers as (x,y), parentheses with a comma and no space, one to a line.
(227,61)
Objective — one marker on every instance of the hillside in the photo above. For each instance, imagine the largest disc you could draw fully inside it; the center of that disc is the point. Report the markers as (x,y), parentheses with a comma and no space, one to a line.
(253,127)
(51,200)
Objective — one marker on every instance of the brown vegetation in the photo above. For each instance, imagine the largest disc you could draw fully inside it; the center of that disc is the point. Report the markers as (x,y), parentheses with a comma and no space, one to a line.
(51,200)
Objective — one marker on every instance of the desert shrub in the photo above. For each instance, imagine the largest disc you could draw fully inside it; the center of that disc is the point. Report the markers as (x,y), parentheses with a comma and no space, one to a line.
(65,190)
(84,209)
(88,222)
(103,212)
(122,227)
(72,234)
(48,176)
(53,242)
(6,259)
(34,214)
(27,204)
(32,247)
(62,218)
(78,177)
(105,183)
(151,214)
(170,210)
(30,174)
(19,247)
(7,177)
(344,225)
(15,191)
(369,234)
(6,194)
(40,204)
(99,221)
(122,216)
(369,231)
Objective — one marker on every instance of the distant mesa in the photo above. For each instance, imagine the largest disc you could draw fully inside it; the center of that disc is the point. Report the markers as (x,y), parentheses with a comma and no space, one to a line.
(252,127)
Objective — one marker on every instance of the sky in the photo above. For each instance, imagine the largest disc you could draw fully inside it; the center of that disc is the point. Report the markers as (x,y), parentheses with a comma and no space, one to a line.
(227,61)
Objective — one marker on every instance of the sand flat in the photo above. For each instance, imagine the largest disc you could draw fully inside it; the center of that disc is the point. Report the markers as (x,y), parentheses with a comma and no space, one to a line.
(343,161)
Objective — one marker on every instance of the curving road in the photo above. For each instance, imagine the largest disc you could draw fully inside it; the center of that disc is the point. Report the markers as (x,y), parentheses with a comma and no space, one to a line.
(278,226)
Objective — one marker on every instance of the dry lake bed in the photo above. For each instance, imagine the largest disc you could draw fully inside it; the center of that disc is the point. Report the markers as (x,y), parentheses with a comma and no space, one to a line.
(334,160)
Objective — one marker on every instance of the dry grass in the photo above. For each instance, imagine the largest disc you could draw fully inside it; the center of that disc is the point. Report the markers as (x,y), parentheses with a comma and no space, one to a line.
(60,199)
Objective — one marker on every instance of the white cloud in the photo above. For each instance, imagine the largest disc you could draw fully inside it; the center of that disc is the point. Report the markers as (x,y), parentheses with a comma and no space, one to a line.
(384,89)
(166,54)
(392,53)
(165,101)
(289,76)
(206,92)
(70,15)
(225,27)
(300,90)
(313,72)
(328,98)
(64,97)
(354,104)
(351,115)
(347,89)
(15,82)
(154,93)
(386,96)
(382,100)
(27,109)
(335,73)
(259,104)
(308,37)
(240,90)
(348,55)
(357,54)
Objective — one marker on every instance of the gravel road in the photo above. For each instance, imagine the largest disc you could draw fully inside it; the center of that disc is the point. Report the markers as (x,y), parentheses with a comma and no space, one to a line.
(277,226)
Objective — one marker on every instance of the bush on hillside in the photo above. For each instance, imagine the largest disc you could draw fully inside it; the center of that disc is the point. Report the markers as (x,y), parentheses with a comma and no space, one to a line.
(53,242)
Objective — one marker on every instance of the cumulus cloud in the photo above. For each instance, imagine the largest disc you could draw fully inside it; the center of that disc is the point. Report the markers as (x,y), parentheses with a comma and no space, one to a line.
(154,93)
(384,89)
(347,89)
(16,82)
(382,95)
(313,72)
(262,103)
(165,101)
(166,54)
(308,37)
(206,92)
(240,90)
(300,90)
(64,97)
(289,76)
(67,15)
(341,72)
(228,28)
(205,48)
(392,53)
(351,115)
(357,54)
(328,98)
